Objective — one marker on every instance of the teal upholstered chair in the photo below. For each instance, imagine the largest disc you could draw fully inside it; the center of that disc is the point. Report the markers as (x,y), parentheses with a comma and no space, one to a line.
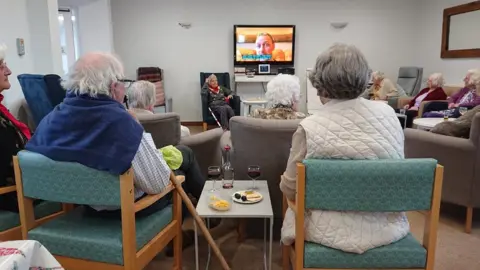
(371,186)
(80,241)
(10,221)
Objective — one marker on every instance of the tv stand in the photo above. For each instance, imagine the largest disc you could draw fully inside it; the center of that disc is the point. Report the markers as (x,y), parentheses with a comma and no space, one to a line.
(261,78)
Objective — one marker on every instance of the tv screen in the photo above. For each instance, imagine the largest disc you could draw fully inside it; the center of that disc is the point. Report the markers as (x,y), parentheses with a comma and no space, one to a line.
(273,44)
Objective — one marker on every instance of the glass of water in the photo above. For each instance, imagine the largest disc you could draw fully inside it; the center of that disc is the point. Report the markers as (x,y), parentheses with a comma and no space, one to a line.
(402,111)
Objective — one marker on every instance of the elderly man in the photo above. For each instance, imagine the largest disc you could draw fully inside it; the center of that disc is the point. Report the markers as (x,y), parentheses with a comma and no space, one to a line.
(141,99)
(93,128)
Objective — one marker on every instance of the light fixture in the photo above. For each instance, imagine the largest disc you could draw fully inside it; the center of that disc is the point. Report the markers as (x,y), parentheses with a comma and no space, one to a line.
(339,25)
(60,18)
(73,18)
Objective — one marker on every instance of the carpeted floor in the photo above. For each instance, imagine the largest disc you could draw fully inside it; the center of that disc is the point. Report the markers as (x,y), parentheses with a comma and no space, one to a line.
(456,250)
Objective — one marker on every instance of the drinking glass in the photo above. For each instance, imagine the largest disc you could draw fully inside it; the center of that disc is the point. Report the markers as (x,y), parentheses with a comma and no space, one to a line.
(214,173)
(253,172)
(402,111)
(462,110)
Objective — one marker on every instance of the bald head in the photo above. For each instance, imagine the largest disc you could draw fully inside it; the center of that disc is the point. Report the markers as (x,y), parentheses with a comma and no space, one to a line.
(93,74)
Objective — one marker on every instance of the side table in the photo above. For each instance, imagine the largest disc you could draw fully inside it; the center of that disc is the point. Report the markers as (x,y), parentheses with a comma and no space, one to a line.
(262,209)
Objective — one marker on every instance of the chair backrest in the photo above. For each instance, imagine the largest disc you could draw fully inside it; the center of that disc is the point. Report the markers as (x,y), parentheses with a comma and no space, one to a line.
(410,79)
(223,78)
(34,89)
(387,185)
(67,182)
(265,143)
(155,76)
(164,128)
(55,92)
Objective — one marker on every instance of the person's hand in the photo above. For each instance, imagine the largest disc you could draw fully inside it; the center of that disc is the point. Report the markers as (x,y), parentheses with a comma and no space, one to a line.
(414,108)
(229,97)
(456,105)
(406,107)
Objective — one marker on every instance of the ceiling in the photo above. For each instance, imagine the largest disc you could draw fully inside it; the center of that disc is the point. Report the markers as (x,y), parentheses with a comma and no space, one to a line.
(74,3)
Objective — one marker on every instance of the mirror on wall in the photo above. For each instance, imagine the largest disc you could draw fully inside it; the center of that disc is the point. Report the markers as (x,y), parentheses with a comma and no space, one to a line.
(461,37)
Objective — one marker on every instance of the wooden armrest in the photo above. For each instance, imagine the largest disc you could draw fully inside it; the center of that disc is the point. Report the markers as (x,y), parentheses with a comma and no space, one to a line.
(402,101)
(151,199)
(5,190)
(292,205)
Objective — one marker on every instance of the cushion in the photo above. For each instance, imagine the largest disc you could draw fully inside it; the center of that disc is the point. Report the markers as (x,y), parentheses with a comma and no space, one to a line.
(406,253)
(82,236)
(10,220)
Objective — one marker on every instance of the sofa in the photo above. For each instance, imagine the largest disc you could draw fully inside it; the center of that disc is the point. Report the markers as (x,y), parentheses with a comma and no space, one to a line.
(265,143)
(460,157)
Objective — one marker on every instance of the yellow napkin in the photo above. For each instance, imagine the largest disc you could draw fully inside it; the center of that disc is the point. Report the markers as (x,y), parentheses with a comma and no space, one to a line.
(172,156)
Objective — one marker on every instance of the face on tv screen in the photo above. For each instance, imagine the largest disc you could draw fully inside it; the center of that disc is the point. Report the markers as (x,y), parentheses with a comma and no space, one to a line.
(264,44)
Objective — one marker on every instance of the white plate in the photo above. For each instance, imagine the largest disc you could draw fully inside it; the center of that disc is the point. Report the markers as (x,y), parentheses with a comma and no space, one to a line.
(251,201)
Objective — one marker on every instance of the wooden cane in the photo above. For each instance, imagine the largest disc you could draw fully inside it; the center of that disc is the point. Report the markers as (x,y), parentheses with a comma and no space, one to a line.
(199,221)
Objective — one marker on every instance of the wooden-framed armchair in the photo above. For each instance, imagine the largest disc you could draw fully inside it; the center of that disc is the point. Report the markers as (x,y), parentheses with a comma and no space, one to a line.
(223,80)
(79,240)
(370,186)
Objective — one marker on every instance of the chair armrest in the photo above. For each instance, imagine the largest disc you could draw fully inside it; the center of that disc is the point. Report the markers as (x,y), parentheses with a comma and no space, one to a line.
(151,199)
(402,101)
(204,146)
(5,190)
(425,144)
(432,105)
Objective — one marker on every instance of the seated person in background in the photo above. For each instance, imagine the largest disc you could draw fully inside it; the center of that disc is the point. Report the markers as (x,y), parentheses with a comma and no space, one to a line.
(93,128)
(13,137)
(458,128)
(283,94)
(218,97)
(434,91)
(346,127)
(468,97)
(141,98)
(381,89)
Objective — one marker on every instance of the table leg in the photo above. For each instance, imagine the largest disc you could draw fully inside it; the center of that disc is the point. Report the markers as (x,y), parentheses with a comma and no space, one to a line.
(265,244)
(271,242)
(196,244)
(209,249)
(249,110)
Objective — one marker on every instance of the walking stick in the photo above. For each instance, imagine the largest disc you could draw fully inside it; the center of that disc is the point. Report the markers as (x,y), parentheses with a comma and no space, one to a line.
(214,117)
(199,221)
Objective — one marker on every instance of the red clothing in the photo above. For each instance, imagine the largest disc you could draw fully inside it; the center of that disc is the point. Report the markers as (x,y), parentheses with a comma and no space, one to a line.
(21,126)
(437,94)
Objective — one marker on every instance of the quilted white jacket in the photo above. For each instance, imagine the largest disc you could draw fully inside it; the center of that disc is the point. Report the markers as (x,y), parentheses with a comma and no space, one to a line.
(351,129)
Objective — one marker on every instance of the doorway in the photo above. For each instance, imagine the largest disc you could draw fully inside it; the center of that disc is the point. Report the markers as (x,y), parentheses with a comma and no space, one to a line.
(68,40)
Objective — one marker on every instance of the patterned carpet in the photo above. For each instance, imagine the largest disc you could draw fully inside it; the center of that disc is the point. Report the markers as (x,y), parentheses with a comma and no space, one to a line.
(455,249)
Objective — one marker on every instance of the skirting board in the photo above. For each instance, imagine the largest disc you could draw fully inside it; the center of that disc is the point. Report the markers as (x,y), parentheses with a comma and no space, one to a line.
(192,123)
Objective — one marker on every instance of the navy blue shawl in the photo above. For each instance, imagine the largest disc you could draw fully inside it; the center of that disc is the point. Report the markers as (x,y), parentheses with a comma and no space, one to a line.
(96,132)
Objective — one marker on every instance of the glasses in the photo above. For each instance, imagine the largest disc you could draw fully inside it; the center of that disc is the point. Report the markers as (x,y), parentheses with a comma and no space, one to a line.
(126,82)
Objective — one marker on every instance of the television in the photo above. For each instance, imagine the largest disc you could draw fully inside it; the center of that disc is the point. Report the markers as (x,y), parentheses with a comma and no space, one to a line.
(264,44)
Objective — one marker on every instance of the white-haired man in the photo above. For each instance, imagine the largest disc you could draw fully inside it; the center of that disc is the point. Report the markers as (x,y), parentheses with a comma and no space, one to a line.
(92,127)
(142,98)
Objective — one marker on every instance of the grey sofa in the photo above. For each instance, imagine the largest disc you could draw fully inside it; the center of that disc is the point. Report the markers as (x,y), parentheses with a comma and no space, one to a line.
(461,159)
(265,143)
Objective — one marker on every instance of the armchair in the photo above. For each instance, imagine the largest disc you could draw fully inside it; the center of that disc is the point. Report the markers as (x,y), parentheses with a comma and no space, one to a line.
(223,80)
(378,186)
(155,75)
(459,156)
(82,241)
(410,80)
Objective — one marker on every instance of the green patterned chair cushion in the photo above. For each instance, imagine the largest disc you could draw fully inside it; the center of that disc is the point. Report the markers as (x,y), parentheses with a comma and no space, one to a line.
(67,182)
(406,253)
(10,220)
(386,185)
(79,235)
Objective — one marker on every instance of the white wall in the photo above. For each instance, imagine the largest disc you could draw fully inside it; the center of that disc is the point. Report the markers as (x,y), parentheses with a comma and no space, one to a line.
(146,32)
(14,13)
(453,69)
(95,26)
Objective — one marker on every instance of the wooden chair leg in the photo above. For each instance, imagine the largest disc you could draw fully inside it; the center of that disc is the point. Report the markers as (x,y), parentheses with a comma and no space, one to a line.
(177,240)
(205,126)
(286,257)
(469,220)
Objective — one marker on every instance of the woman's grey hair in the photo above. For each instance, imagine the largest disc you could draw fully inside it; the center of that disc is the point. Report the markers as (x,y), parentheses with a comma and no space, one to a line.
(93,74)
(283,89)
(475,78)
(211,77)
(3,50)
(437,80)
(141,95)
(341,72)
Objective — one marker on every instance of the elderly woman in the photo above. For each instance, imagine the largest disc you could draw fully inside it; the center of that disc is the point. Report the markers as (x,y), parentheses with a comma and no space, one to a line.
(382,88)
(283,94)
(363,129)
(468,97)
(433,91)
(218,100)
(141,98)
(13,137)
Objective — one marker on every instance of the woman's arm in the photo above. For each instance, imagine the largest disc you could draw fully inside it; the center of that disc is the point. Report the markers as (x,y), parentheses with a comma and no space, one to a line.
(475,102)
(412,102)
(288,183)
(226,91)
(390,89)
(456,97)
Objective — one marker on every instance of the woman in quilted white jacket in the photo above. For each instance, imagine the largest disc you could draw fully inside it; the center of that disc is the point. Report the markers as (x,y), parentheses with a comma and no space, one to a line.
(346,127)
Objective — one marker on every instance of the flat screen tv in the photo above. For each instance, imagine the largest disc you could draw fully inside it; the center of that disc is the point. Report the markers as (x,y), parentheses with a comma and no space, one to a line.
(264,44)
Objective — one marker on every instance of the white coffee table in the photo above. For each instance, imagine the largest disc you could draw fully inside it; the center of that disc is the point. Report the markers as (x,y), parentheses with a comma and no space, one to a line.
(429,123)
(248,103)
(263,209)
